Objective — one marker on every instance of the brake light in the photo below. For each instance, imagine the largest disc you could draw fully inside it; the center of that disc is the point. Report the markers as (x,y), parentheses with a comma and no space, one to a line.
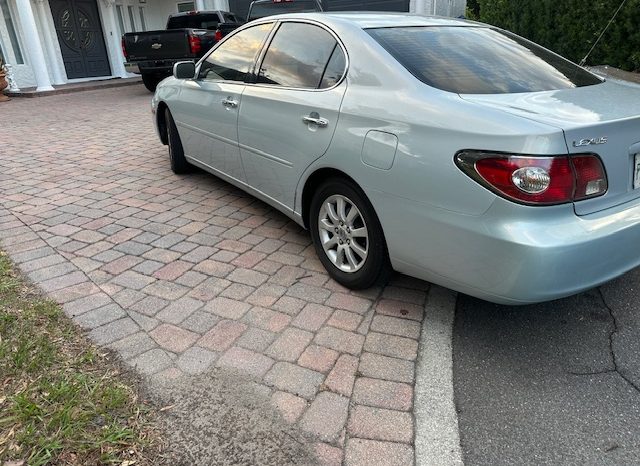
(536,180)
(195,45)
(124,49)
(218,35)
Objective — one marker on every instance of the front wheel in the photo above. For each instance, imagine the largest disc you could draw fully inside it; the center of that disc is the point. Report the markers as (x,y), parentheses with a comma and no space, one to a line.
(177,159)
(347,235)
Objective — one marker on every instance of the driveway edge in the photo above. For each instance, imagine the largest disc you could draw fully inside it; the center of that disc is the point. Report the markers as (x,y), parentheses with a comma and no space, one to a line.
(437,435)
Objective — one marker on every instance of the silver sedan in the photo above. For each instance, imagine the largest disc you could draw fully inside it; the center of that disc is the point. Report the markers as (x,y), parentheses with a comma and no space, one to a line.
(448,150)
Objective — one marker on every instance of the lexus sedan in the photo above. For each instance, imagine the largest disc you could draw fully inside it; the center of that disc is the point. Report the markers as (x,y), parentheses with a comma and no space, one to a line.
(444,149)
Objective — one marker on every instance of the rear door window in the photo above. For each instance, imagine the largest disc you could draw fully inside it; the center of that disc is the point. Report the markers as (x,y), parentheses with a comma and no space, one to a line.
(235,57)
(479,60)
(297,56)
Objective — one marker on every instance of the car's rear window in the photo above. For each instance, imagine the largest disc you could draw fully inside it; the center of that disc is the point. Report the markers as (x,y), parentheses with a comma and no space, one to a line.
(199,21)
(479,60)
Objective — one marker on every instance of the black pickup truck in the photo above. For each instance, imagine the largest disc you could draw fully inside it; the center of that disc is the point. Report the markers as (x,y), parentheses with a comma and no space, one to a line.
(188,36)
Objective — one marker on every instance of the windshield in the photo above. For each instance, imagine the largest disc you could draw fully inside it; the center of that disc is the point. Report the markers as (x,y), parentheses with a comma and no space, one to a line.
(479,60)
(262,9)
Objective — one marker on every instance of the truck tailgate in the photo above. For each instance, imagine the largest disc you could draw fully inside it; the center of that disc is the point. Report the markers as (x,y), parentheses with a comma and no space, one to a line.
(157,45)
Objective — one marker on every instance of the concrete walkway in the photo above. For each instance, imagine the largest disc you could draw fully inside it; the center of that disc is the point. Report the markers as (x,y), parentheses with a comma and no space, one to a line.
(183,274)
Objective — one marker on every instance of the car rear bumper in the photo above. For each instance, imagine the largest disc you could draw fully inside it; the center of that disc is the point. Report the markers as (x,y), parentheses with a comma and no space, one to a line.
(511,254)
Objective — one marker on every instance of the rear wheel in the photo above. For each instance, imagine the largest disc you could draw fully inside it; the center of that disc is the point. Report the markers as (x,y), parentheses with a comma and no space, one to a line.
(151,81)
(347,235)
(178,161)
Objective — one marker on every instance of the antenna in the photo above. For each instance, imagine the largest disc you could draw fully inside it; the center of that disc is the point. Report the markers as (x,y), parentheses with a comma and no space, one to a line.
(584,60)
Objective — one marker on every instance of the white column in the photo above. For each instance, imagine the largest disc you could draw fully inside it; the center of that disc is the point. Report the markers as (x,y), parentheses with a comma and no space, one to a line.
(32,43)
(113,39)
(200,5)
(423,7)
(54,70)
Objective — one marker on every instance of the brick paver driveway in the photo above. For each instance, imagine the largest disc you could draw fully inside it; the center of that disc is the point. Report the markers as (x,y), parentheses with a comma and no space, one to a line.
(181,273)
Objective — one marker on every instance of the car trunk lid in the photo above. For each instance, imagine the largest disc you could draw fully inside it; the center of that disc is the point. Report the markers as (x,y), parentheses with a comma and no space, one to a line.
(157,45)
(603,119)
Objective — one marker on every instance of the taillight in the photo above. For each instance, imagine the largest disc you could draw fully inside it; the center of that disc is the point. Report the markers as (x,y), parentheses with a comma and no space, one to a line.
(536,180)
(195,45)
(124,49)
(218,35)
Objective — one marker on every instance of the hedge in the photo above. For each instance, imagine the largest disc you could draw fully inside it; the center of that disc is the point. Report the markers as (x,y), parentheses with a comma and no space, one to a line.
(570,27)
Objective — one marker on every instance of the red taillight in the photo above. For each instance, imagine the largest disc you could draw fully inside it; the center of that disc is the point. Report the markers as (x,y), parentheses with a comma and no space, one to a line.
(195,45)
(536,180)
(218,35)
(124,49)
(591,180)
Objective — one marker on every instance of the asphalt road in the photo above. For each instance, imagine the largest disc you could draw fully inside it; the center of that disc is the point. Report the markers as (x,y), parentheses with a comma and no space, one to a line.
(555,383)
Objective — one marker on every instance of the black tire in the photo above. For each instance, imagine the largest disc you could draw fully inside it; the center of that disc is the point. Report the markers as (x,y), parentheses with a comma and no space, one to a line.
(151,81)
(375,268)
(178,161)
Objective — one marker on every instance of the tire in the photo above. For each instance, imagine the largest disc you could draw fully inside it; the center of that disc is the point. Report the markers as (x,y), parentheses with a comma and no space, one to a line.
(179,164)
(367,261)
(151,81)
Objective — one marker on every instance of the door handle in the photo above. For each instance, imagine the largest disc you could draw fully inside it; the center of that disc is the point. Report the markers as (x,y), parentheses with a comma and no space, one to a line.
(230,103)
(315,119)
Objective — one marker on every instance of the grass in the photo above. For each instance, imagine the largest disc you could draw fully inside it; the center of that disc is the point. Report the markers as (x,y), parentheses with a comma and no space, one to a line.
(62,401)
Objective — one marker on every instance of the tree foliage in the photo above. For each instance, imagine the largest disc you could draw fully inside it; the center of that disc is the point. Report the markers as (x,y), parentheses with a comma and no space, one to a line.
(571,27)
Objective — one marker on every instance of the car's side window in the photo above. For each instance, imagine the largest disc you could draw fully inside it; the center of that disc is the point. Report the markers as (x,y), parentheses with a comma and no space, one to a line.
(297,56)
(335,68)
(234,58)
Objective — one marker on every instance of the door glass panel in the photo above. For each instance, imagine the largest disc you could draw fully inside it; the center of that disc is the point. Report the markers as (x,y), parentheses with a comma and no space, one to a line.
(297,56)
(233,60)
(335,69)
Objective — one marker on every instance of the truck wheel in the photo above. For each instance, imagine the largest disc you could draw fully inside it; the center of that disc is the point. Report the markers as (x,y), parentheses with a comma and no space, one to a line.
(151,81)
(178,161)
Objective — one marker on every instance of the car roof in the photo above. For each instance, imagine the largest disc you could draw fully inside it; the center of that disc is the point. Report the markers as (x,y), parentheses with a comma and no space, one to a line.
(377,19)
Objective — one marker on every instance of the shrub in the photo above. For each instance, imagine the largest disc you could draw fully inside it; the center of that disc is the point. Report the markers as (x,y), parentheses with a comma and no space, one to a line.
(571,27)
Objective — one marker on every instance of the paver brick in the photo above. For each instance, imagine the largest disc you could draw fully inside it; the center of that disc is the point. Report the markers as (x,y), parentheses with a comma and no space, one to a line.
(395,326)
(196,360)
(326,416)
(390,345)
(318,358)
(400,309)
(222,335)
(328,455)
(256,339)
(113,331)
(290,406)
(135,280)
(345,320)
(383,394)
(179,310)
(380,424)
(267,319)
(100,316)
(173,338)
(308,292)
(294,379)
(312,316)
(172,270)
(133,345)
(227,308)
(245,360)
(152,361)
(290,344)
(200,322)
(166,290)
(213,267)
(378,366)
(87,303)
(150,305)
(349,302)
(340,340)
(360,452)
(343,375)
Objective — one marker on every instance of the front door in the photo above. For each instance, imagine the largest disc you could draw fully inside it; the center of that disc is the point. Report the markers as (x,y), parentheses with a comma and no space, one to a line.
(81,40)
(287,119)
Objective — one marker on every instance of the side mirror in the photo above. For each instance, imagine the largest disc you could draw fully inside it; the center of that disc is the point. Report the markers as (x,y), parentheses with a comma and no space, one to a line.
(184,70)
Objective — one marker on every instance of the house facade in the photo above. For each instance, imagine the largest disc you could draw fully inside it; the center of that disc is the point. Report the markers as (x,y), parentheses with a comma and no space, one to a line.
(48,42)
